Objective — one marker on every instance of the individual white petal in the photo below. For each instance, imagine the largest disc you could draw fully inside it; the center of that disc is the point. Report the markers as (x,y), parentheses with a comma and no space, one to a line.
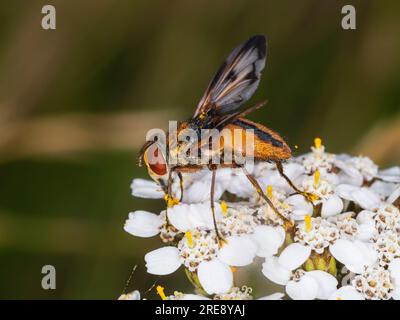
(143,188)
(224,177)
(240,185)
(273,178)
(355,255)
(199,191)
(368,252)
(394,195)
(274,296)
(143,224)
(382,188)
(275,272)
(305,289)
(178,216)
(366,198)
(365,232)
(346,179)
(366,217)
(366,225)
(299,202)
(344,251)
(134,295)
(390,175)
(299,214)
(294,255)
(190,216)
(162,261)
(332,178)
(345,191)
(353,176)
(332,206)
(215,276)
(238,251)
(327,283)
(268,240)
(301,206)
(346,293)
(293,170)
(201,215)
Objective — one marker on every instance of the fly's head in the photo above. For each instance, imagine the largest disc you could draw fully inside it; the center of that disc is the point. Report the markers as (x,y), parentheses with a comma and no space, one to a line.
(153,156)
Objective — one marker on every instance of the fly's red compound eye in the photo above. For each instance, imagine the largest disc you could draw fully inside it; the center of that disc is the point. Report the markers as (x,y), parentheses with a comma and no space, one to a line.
(155,160)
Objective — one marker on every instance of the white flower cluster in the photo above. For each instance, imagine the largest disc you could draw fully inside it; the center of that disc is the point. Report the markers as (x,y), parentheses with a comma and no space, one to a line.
(344,242)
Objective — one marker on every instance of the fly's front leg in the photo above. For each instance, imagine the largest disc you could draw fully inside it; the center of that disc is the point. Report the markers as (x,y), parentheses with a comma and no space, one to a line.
(169,199)
(167,196)
(180,185)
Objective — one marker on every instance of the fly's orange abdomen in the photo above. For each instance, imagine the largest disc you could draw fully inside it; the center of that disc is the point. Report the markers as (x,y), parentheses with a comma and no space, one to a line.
(268,145)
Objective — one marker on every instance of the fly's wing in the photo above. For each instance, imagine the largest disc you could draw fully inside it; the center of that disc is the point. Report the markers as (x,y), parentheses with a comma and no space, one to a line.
(238,114)
(236,79)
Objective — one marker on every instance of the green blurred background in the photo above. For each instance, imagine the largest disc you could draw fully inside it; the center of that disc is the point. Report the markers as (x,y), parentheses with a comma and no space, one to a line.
(76,102)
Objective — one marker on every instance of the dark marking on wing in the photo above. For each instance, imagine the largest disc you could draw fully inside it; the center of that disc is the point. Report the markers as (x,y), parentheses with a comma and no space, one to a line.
(232,75)
(265,136)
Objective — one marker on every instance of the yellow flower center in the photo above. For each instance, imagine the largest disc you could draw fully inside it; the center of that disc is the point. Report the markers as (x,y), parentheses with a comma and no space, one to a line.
(189,238)
(171,201)
(317,142)
(160,292)
(224,208)
(269,191)
(317,176)
(307,220)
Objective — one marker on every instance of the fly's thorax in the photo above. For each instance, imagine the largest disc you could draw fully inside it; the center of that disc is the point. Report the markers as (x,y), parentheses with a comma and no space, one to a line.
(183,145)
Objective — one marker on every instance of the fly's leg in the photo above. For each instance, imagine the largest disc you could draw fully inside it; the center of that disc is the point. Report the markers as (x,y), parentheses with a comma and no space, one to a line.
(308,196)
(180,185)
(168,196)
(214,172)
(169,199)
(287,223)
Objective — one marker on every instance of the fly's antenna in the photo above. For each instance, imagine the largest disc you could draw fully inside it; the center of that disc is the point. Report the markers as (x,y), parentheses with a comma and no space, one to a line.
(128,282)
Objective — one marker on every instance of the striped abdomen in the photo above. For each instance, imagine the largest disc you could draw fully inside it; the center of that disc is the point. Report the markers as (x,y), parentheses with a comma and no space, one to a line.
(268,145)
